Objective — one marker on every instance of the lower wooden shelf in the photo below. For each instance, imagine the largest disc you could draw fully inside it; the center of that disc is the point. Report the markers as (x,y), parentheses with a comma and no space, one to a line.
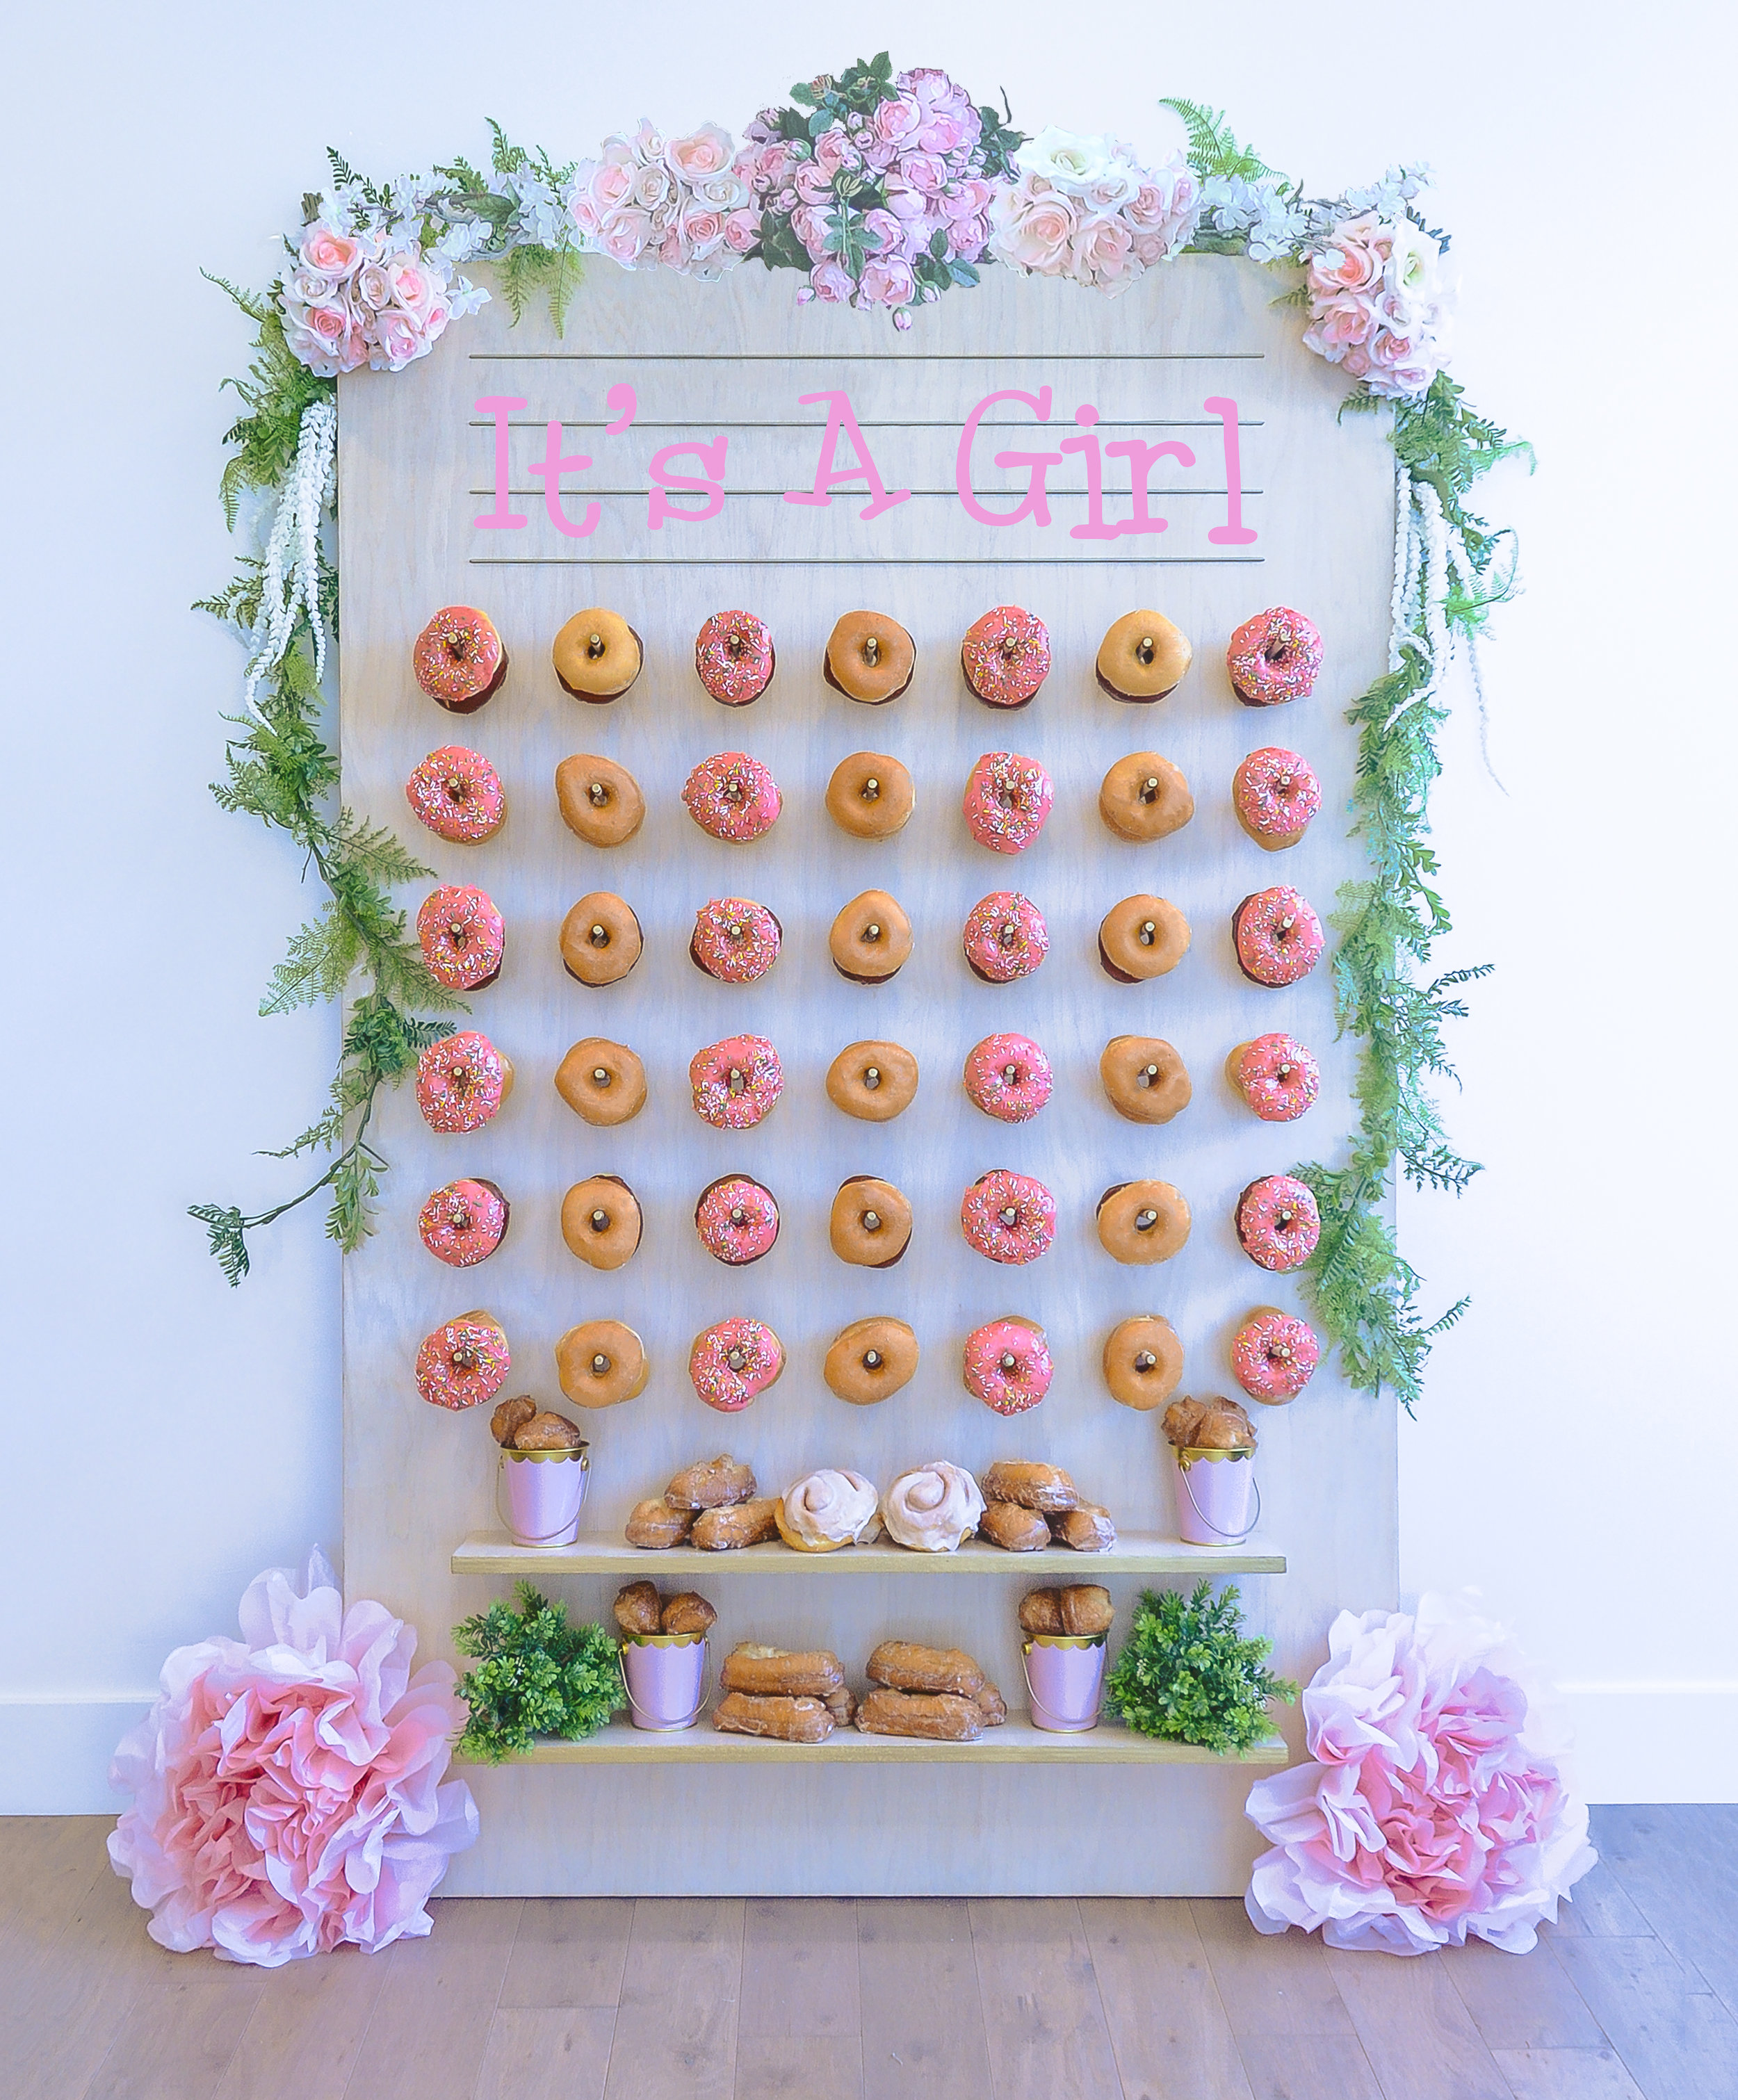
(1015,1742)
(1136,1553)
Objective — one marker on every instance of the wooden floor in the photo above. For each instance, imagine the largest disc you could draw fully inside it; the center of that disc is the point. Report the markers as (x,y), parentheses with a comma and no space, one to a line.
(1636,1993)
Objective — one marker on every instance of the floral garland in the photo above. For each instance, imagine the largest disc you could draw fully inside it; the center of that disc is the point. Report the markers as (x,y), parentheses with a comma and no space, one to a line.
(884,190)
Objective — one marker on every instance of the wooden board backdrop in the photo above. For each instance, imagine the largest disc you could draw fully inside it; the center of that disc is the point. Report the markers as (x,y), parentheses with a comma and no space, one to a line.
(416,469)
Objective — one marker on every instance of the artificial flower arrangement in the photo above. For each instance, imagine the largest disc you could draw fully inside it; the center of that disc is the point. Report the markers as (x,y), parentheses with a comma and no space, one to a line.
(1188,1673)
(536,1675)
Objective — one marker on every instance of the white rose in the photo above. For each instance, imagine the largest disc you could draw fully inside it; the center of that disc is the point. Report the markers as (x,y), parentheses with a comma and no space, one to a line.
(1070,161)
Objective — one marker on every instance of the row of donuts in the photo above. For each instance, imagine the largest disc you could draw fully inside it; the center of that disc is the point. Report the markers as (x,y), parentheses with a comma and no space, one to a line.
(1007,1217)
(460,661)
(1275,936)
(463,1081)
(1006,1363)
(457,794)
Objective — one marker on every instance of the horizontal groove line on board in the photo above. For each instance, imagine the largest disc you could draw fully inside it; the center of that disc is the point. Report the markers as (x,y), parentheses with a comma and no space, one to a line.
(895,359)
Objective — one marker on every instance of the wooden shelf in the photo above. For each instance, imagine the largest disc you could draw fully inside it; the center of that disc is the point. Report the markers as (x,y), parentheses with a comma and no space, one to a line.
(493,1553)
(1015,1742)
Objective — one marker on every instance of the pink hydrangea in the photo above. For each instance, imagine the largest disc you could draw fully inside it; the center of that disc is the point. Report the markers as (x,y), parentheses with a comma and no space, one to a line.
(1085,208)
(1430,1808)
(287,1794)
(1378,307)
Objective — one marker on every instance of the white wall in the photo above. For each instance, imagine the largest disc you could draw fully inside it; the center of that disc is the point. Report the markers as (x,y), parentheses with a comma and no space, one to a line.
(166,1437)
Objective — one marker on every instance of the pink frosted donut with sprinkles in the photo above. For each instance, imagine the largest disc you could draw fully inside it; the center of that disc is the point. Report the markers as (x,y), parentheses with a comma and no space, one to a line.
(736,1082)
(1009,1217)
(1007,1364)
(458,795)
(1273,1355)
(464,1223)
(732,653)
(1005,936)
(1278,936)
(1005,656)
(462,1082)
(1006,800)
(459,659)
(462,936)
(737,1220)
(1277,1223)
(1007,1077)
(1277,1076)
(1274,658)
(735,940)
(1275,794)
(733,1363)
(464,1363)
(734,797)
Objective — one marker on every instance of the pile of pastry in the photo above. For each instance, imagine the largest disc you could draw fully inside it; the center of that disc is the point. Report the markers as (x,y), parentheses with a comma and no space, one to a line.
(1020,1505)
(520,1425)
(938,1694)
(1082,1610)
(640,1610)
(1218,1424)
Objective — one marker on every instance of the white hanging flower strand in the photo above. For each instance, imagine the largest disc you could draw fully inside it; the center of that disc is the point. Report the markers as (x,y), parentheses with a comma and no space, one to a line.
(292,558)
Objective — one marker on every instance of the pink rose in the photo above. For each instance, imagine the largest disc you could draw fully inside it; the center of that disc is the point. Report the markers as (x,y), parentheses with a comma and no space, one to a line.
(742,229)
(706,151)
(610,183)
(649,187)
(401,338)
(969,200)
(809,226)
(702,229)
(1349,262)
(332,254)
(904,203)
(898,119)
(881,230)
(924,172)
(624,235)
(888,281)
(830,282)
(374,286)
(413,288)
(880,153)
(1101,253)
(330,322)
(1035,228)
(784,200)
(834,152)
(969,238)
(812,184)
(773,163)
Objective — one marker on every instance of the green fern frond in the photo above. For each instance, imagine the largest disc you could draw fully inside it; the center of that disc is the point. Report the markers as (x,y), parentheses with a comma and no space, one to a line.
(1213,148)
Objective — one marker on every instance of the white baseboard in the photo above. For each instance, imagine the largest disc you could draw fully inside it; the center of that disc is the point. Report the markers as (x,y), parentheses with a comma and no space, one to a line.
(1654,1741)
(55,1753)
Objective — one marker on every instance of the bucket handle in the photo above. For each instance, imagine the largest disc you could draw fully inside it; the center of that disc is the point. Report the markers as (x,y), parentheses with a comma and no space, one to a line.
(1235,1537)
(1025,1671)
(553,1536)
(669,1727)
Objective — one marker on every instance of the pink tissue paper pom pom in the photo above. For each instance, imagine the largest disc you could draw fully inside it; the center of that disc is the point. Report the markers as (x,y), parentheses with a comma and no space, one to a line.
(286,1787)
(1433,1805)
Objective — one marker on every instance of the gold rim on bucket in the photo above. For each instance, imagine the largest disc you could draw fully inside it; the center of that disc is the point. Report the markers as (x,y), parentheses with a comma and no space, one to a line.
(550,1457)
(1065,1640)
(661,1641)
(1187,1454)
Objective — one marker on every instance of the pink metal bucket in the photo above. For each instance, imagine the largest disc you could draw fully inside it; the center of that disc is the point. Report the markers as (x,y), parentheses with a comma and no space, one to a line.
(664,1675)
(1065,1673)
(545,1492)
(1218,1502)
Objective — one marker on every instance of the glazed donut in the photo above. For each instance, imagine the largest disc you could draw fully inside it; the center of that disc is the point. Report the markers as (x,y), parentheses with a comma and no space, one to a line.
(1009,1217)
(871,1360)
(600,940)
(733,1362)
(1276,1075)
(1005,656)
(1014,1529)
(1005,936)
(871,1226)
(737,1220)
(599,800)
(1142,1221)
(597,655)
(462,1082)
(1145,797)
(1275,794)
(732,653)
(1142,657)
(712,1483)
(871,795)
(462,938)
(870,939)
(735,940)
(736,1082)
(1277,1223)
(1278,937)
(653,1524)
(1143,1361)
(603,1082)
(1009,1078)
(548,1431)
(872,1081)
(1274,658)
(1273,1355)
(1032,1484)
(601,1221)
(1007,1365)
(1006,800)
(869,658)
(464,1223)
(601,1362)
(733,797)
(458,795)
(1142,937)
(1144,1079)
(459,659)
(933,1508)
(465,1362)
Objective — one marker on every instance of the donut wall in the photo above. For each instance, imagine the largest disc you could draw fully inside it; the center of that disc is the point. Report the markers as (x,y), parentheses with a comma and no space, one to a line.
(715,429)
